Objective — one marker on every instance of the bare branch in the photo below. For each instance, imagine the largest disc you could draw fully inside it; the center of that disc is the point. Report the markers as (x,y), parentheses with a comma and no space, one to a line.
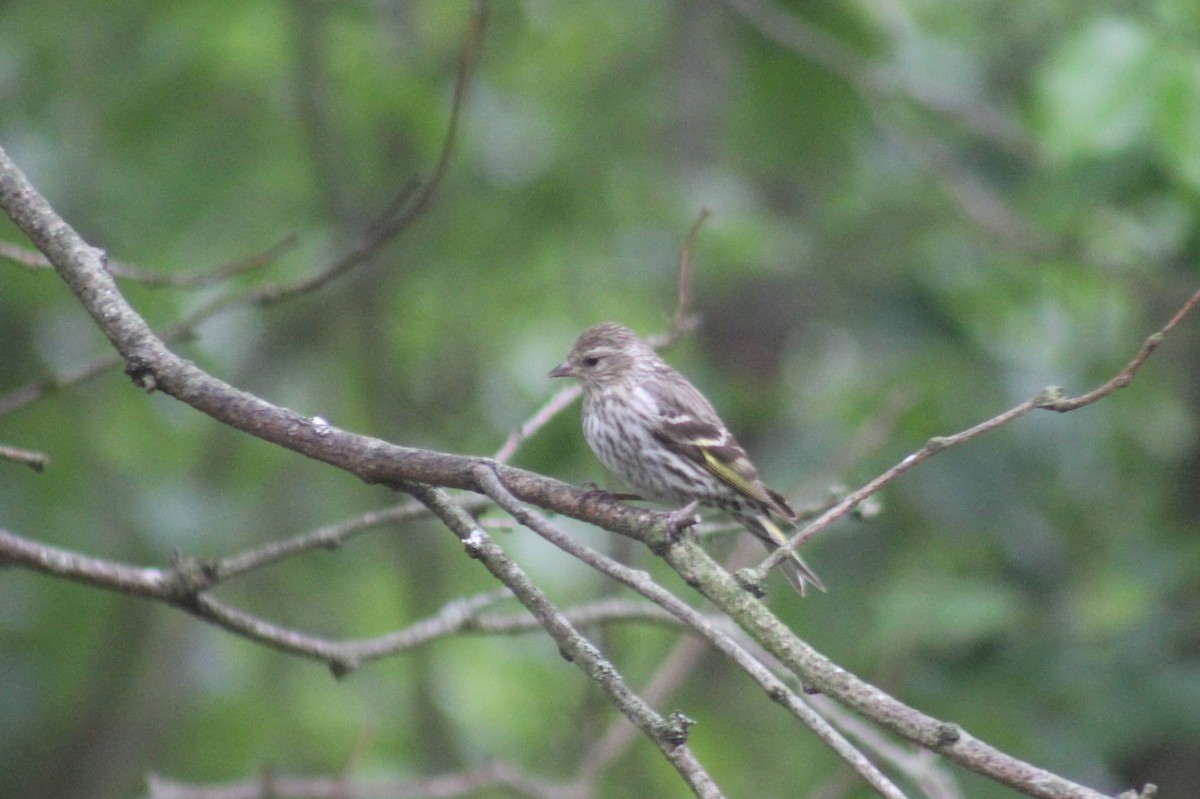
(184,586)
(327,537)
(922,767)
(1125,376)
(413,200)
(683,321)
(668,734)
(38,461)
(676,667)
(18,551)
(1050,398)
(33,259)
(818,673)
(561,399)
(154,367)
(855,498)
(644,585)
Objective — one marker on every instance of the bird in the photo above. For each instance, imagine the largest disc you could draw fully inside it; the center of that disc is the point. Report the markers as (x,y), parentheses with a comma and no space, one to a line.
(659,435)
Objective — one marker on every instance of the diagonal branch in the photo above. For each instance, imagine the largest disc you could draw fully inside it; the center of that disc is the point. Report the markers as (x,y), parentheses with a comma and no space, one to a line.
(668,734)
(1050,398)
(693,619)
(153,366)
(819,673)
(683,321)
(38,461)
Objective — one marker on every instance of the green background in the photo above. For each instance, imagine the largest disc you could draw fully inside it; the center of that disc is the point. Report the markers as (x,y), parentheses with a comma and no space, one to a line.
(923,213)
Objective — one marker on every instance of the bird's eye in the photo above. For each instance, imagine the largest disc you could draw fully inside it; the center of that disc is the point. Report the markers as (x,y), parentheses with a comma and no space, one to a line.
(591,361)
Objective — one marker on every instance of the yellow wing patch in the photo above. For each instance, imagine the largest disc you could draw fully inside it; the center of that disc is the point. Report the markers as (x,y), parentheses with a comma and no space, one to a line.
(729,475)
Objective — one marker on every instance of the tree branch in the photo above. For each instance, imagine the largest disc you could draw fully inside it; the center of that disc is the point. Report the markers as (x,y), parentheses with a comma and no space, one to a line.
(1050,398)
(819,673)
(154,367)
(38,461)
(668,734)
(33,259)
(184,586)
(693,619)
(412,200)
(683,321)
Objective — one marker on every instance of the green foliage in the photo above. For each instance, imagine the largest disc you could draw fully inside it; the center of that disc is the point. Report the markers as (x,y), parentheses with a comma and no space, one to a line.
(1011,205)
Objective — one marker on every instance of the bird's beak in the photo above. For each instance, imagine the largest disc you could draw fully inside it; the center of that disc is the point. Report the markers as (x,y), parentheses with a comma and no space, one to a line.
(564,369)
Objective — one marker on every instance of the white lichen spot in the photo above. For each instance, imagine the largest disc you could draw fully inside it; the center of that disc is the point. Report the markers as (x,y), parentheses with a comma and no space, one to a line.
(474,541)
(320,426)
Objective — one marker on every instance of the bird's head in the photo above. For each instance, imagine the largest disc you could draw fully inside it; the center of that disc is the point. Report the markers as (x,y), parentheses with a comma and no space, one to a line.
(604,355)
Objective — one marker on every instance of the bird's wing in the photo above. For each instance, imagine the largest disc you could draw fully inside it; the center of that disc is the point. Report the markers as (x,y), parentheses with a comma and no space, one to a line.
(690,427)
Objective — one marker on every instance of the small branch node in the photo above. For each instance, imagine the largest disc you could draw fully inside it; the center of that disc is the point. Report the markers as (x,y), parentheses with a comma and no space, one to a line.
(189,577)
(38,461)
(868,509)
(473,544)
(1149,791)
(141,372)
(947,735)
(681,519)
(342,668)
(1049,397)
(752,580)
(674,728)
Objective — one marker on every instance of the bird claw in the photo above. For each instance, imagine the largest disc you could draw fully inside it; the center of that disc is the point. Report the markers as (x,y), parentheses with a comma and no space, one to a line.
(682,518)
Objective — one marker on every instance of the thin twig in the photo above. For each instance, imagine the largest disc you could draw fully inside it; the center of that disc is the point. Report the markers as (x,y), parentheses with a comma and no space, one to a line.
(32,259)
(413,200)
(327,537)
(855,498)
(1050,398)
(1125,376)
(922,767)
(683,321)
(561,399)
(38,461)
(183,586)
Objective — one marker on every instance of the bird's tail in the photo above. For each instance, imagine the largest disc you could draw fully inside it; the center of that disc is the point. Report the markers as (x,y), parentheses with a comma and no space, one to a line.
(798,573)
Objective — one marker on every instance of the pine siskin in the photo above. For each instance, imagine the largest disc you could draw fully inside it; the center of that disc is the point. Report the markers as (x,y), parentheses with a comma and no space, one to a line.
(657,433)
